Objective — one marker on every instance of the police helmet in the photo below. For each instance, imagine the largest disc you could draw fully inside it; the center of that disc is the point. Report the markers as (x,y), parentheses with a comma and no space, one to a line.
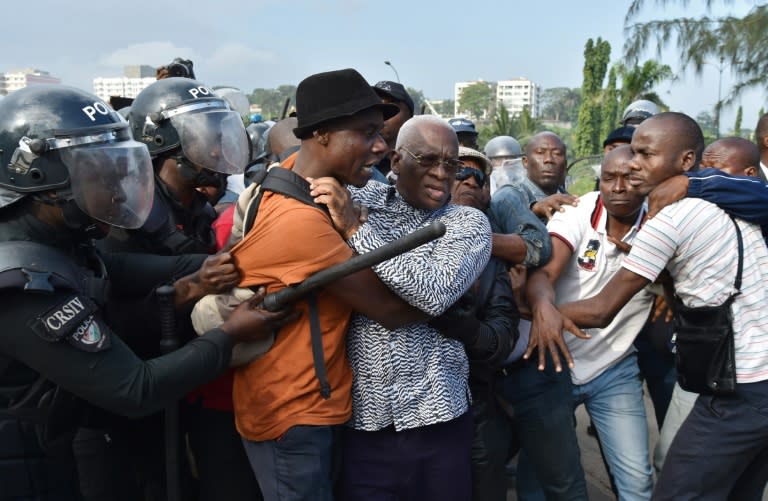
(463,126)
(175,114)
(638,111)
(237,100)
(258,133)
(503,146)
(55,138)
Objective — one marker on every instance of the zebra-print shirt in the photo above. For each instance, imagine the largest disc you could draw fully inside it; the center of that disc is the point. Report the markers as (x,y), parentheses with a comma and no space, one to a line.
(414,376)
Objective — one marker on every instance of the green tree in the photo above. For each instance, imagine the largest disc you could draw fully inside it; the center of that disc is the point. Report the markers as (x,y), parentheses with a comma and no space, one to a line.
(738,42)
(596,57)
(560,104)
(707,123)
(475,99)
(445,107)
(272,101)
(638,82)
(418,99)
(609,119)
(737,125)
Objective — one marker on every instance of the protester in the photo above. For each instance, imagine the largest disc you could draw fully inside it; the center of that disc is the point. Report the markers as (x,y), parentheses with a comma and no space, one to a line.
(588,243)
(713,455)
(394,93)
(289,401)
(465,131)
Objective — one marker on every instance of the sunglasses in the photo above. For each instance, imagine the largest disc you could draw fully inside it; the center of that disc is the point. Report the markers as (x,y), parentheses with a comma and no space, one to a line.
(466,172)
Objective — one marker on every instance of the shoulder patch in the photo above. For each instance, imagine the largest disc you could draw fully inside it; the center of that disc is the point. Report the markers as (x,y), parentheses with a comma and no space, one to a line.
(91,335)
(62,320)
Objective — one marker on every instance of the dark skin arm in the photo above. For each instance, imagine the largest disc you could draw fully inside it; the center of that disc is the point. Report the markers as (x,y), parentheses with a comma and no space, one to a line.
(547,323)
(217,274)
(509,247)
(599,310)
(546,208)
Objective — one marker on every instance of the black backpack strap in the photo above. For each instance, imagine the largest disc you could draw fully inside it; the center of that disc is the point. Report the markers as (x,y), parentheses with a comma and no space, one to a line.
(737,282)
(318,356)
(290,184)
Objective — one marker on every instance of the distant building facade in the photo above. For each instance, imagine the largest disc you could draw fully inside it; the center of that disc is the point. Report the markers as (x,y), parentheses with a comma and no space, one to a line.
(135,79)
(18,79)
(458,88)
(517,93)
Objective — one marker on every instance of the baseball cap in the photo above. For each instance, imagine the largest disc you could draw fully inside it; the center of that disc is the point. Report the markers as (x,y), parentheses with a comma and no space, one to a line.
(395,91)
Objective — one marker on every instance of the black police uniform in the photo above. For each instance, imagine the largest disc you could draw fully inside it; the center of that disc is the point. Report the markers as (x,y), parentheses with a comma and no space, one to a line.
(55,328)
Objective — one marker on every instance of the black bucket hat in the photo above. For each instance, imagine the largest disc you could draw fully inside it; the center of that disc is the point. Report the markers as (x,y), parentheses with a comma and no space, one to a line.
(334,94)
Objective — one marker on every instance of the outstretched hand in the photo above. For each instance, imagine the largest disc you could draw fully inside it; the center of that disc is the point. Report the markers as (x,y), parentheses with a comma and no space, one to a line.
(546,336)
(547,207)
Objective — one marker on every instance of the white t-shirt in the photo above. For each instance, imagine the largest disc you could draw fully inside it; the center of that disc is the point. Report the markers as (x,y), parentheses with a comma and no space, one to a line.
(592,264)
(697,242)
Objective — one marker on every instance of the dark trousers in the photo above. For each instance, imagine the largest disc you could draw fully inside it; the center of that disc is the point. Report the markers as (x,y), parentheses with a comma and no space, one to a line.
(430,463)
(223,471)
(490,449)
(543,421)
(720,450)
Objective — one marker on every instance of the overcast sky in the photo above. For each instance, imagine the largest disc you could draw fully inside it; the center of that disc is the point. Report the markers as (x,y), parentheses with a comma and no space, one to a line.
(266,43)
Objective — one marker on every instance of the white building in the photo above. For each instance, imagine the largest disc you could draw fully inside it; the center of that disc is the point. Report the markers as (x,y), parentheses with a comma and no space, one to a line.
(18,79)
(458,88)
(517,93)
(136,79)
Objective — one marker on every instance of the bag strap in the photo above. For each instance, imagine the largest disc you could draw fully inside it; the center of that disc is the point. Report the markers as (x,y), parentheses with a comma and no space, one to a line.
(737,282)
(318,357)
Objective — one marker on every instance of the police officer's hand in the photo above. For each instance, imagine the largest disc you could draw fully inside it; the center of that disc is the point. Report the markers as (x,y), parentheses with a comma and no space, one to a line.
(347,215)
(249,322)
(217,274)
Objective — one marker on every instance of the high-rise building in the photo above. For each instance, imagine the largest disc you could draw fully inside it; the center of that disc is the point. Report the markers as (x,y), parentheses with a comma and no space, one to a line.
(136,78)
(517,93)
(18,79)
(458,88)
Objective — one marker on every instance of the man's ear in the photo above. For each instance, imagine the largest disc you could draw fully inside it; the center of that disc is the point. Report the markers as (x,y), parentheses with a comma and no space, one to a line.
(750,171)
(322,136)
(395,162)
(688,160)
(525,161)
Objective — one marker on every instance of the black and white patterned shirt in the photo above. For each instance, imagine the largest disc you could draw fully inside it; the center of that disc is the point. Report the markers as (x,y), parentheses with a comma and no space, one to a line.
(414,376)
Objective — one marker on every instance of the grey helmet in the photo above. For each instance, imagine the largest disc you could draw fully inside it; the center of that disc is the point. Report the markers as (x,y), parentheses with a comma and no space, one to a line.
(503,146)
(639,110)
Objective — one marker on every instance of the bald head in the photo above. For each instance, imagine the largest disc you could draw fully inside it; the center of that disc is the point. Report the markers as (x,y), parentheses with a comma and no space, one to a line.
(412,129)
(685,133)
(734,155)
(535,140)
(281,136)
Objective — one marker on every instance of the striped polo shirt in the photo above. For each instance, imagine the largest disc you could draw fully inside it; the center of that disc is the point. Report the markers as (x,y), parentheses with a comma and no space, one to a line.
(697,242)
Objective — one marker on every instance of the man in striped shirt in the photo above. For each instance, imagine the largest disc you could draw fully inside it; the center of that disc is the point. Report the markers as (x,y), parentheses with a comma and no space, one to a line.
(716,450)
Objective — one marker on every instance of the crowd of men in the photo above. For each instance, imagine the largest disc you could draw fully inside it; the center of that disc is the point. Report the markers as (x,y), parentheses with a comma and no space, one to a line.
(141,360)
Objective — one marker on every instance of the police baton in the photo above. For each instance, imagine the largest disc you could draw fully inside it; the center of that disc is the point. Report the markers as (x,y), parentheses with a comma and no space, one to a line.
(169,341)
(277,300)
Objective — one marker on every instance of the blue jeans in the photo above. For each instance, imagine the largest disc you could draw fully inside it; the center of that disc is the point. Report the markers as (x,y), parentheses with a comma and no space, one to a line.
(614,401)
(721,450)
(543,422)
(297,466)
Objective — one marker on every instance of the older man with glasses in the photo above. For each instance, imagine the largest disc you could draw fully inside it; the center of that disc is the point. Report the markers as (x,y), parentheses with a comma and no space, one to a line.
(411,430)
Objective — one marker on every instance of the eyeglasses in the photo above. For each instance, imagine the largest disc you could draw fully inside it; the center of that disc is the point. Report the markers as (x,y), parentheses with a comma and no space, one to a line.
(452,165)
(466,172)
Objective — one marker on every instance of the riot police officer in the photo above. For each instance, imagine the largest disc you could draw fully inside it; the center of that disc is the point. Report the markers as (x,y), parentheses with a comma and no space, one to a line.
(195,141)
(505,155)
(70,170)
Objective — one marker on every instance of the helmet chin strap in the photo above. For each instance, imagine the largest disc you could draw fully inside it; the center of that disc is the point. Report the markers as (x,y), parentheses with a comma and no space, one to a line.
(80,222)
(199,177)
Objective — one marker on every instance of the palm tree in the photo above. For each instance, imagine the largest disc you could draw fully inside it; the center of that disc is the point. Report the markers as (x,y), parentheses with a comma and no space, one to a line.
(638,82)
(739,42)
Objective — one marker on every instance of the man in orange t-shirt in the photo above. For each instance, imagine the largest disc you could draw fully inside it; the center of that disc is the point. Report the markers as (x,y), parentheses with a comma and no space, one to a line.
(286,421)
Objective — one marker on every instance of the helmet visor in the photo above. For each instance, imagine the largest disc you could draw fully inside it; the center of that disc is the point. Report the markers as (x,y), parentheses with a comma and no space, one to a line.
(214,140)
(112,182)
